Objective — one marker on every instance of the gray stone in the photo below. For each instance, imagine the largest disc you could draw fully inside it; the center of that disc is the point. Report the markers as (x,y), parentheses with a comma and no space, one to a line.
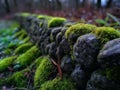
(100,82)
(66,64)
(110,54)
(86,50)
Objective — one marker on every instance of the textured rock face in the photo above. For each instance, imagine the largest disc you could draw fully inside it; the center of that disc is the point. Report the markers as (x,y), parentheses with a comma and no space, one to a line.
(66,64)
(85,51)
(110,54)
(100,82)
(79,76)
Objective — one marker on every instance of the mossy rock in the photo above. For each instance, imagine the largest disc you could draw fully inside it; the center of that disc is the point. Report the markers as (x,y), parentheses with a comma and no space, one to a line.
(28,57)
(18,79)
(57,84)
(106,34)
(23,48)
(77,30)
(113,73)
(56,21)
(6,62)
(43,72)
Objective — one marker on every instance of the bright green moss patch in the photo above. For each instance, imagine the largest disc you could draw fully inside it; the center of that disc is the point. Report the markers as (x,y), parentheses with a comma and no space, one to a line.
(28,57)
(57,84)
(57,21)
(6,62)
(45,69)
(106,34)
(21,34)
(18,79)
(79,29)
(26,39)
(23,48)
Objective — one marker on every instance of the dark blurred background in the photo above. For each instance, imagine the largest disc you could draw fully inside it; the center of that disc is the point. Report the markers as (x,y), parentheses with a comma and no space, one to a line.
(74,9)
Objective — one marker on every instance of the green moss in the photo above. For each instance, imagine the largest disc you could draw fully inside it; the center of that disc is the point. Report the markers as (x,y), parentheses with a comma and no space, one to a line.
(57,21)
(26,39)
(20,34)
(43,72)
(7,51)
(18,79)
(23,48)
(6,62)
(39,60)
(57,84)
(43,17)
(106,34)
(25,14)
(79,29)
(23,35)
(28,57)
(113,73)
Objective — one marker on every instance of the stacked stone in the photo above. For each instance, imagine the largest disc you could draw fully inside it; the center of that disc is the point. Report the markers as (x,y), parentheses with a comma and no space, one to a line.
(90,54)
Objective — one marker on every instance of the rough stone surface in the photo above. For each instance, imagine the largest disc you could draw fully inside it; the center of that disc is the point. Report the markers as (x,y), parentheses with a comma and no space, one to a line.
(79,76)
(66,64)
(110,54)
(86,50)
(100,82)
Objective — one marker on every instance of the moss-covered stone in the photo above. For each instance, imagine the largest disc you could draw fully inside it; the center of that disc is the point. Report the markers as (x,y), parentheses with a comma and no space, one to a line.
(6,62)
(28,57)
(43,72)
(77,30)
(18,79)
(106,34)
(113,73)
(57,84)
(57,21)
(23,48)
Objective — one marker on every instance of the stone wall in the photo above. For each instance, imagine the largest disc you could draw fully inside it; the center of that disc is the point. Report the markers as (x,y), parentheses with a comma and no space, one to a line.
(90,55)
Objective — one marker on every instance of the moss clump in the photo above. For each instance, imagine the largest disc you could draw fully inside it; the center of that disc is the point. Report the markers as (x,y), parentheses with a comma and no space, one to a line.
(77,30)
(25,14)
(57,21)
(20,34)
(43,72)
(26,39)
(6,62)
(106,34)
(57,84)
(23,48)
(28,57)
(7,51)
(18,79)
(113,73)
